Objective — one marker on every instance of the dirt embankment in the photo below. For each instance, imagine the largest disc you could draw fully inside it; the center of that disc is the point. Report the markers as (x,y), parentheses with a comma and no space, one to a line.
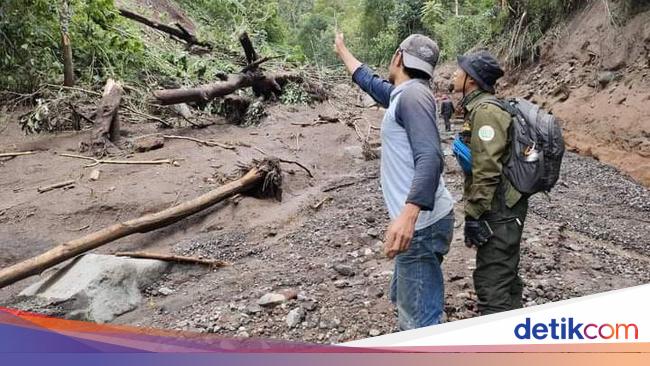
(594,73)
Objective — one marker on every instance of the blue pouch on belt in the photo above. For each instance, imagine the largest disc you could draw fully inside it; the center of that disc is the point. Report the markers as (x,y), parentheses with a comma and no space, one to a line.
(463,154)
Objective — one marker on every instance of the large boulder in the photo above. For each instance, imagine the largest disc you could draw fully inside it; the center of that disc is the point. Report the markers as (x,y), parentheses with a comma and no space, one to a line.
(97,287)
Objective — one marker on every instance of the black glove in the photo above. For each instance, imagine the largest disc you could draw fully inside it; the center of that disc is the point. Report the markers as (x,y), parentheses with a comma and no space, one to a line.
(476,232)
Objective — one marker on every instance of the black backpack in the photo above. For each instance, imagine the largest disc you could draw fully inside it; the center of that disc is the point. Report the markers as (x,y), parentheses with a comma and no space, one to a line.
(536,146)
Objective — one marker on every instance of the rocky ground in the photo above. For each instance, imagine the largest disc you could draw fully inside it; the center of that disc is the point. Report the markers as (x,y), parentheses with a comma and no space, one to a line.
(309,268)
(332,280)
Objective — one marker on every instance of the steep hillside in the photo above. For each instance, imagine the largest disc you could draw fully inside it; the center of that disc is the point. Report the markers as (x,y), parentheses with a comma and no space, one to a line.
(594,74)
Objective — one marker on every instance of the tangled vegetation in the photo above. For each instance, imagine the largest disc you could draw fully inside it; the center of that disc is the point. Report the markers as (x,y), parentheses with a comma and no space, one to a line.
(298,32)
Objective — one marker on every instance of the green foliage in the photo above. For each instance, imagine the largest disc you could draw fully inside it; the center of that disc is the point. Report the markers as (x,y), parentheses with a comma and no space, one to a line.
(223,20)
(30,43)
(107,45)
(38,120)
(294,93)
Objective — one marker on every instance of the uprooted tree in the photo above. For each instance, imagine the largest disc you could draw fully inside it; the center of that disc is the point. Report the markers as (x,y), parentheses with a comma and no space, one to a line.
(265,85)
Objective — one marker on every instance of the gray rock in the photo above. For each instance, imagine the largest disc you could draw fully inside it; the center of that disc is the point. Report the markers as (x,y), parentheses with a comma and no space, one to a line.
(97,287)
(374,332)
(310,305)
(341,284)
(271,299)
(605,78)
(344,270)
(295,317)
(374,292)
(150,142)
(253,309)
(372,232)
(165,291)
(182,110)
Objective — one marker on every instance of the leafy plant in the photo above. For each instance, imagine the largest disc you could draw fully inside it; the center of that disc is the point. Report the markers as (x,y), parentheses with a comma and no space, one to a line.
(294,93)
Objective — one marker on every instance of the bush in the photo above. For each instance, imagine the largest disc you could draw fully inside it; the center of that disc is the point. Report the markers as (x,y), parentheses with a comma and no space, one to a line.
(30,43)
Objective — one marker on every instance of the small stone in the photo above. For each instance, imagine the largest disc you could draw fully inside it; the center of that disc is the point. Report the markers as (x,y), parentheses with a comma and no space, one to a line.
(596,266)
(253,309)
(374,332)
(341,284)
(344,270)
(367,252)
(271,299)
(146,143)
(309,305)
(165,291)
(374,292)
(94,175)
(372,232)
(295,317)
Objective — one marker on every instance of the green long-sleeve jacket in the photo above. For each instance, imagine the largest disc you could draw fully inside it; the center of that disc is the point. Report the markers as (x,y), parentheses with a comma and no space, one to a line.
(488,125)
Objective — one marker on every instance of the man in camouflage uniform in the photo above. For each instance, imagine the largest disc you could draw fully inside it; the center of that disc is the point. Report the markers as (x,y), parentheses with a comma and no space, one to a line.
(494,210)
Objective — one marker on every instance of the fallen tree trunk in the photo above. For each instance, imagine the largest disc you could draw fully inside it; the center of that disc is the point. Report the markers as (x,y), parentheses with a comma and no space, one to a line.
(107,120)
(205,93)
(179,32)
(263,180)
(173,258)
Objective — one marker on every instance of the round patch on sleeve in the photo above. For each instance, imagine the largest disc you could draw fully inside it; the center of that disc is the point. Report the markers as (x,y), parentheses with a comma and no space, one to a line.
(486,133)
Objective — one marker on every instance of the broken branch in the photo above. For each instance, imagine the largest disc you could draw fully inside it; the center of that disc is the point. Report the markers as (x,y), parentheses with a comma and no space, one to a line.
(179,32)
(55,186)
(298,164)
(202,142)
(14,154)
(174,258)
(102,161)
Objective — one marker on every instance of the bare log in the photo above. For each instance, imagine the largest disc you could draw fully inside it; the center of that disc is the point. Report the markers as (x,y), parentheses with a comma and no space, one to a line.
(173,258)
(178,32)
(263,179)
(205,93)
(106,119)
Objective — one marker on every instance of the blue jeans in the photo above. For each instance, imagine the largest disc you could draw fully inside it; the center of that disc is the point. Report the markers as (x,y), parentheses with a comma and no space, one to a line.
(417,287)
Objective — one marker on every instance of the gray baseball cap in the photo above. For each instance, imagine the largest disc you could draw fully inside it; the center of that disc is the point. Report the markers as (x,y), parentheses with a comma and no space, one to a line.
(420,52)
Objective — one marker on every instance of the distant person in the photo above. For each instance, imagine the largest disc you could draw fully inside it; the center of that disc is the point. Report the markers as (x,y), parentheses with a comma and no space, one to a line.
(419,205)
(446,111)
(494,210)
